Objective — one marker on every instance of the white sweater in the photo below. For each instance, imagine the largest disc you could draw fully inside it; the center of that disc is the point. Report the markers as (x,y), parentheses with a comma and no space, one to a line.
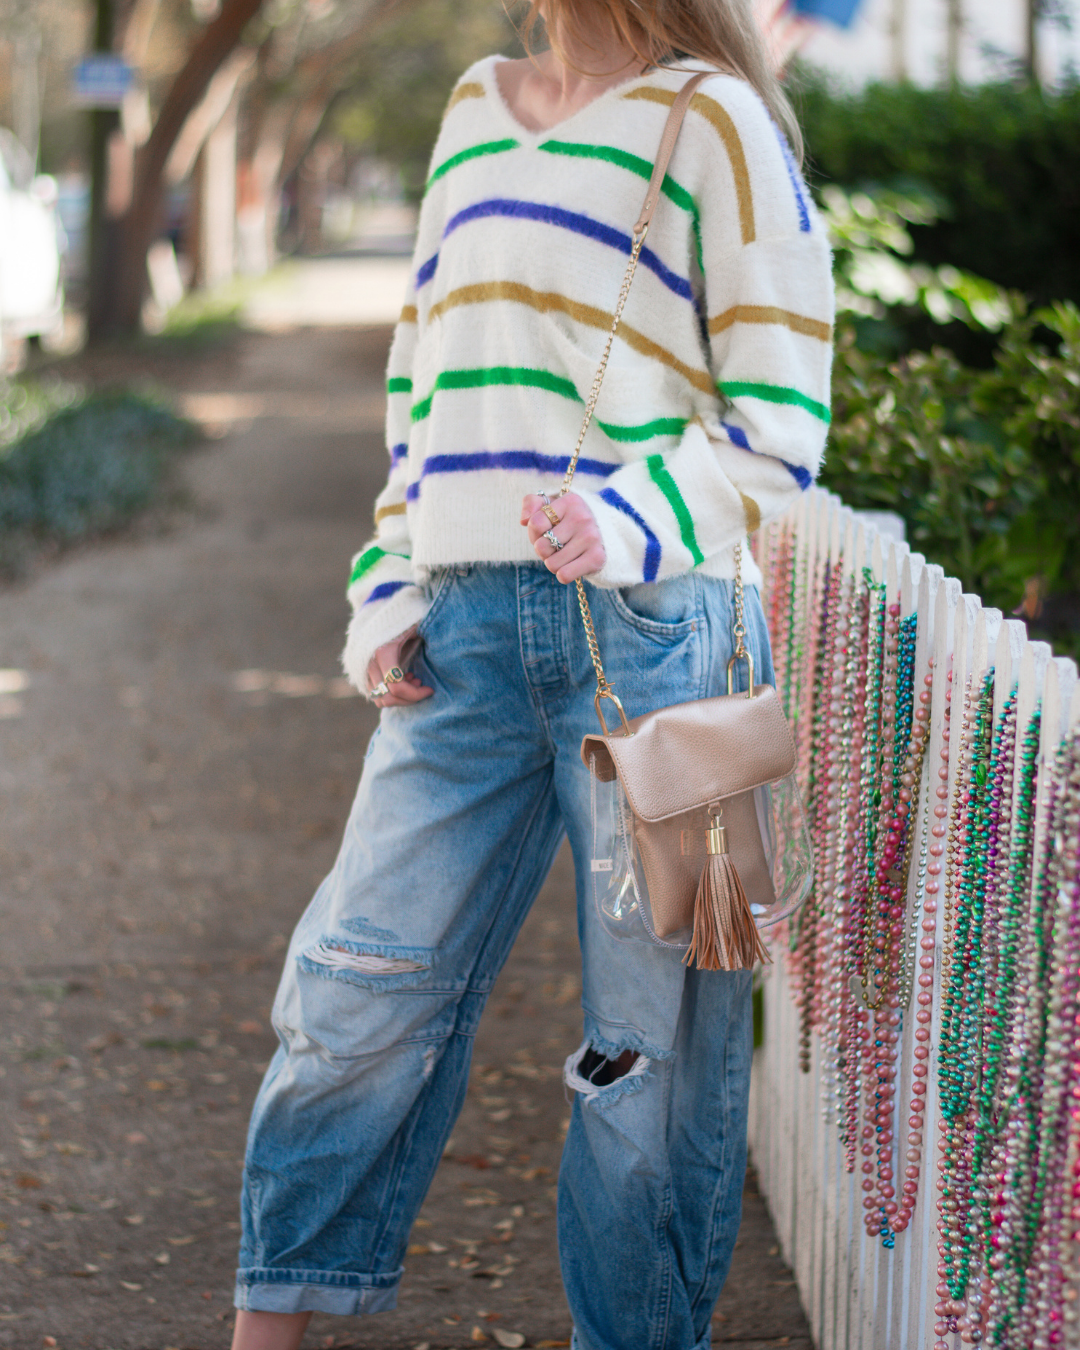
(714,409)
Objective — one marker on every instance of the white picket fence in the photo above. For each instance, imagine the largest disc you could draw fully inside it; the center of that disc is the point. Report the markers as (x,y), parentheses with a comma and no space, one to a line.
(857,1295)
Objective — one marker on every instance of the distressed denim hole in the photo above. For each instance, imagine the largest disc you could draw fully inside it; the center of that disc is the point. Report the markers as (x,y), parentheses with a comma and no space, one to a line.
(602,1078)
(338,958)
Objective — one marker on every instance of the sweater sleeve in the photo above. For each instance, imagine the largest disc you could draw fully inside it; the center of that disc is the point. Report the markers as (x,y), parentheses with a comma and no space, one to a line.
(749,450)
(385,599)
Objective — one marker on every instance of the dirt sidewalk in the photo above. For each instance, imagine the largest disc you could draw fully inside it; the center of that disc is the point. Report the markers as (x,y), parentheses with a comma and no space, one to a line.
(173,783)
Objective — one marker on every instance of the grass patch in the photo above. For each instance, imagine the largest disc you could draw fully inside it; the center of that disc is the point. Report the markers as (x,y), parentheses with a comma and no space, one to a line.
(77,466)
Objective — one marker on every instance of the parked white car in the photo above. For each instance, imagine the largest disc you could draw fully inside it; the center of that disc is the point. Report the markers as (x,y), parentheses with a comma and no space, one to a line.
(31,286)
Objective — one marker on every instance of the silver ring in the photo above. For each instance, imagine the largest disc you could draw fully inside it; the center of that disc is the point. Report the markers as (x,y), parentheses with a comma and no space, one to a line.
(549,535)
(547,499)
(380,690)
(393,676)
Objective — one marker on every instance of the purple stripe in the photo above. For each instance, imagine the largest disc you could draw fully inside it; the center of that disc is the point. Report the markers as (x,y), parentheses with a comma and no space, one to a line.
(397,454)
(384,590)
(531,461)
(796,182)
(567,220)
(652,544)
(802,476)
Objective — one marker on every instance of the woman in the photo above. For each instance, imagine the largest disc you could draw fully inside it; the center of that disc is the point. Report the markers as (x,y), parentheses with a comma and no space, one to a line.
(711,418)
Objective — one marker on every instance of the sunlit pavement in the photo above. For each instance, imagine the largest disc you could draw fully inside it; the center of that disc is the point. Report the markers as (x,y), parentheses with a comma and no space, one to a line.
(327,292)
(177,758)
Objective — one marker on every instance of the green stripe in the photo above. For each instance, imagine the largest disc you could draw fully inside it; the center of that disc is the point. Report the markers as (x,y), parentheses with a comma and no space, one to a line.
(662,426)
(658,471)
(776,393)
(528,376)
(368,559)
(473,152)
(479,378)
(399,384)
(611,154)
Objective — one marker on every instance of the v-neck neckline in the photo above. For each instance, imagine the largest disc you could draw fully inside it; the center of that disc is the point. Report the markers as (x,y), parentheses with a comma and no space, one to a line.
(524,134)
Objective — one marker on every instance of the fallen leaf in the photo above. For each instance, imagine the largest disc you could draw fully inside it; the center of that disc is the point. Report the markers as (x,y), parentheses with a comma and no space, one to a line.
(135,1137)
(436,1247)
(163,1258)
(48,1340)
(134,1220)
(417,1249)
(157,1085)
(86,1272)
(478,1335)
(181,1241)
(205,1202)
(511,1340)
(126,1284)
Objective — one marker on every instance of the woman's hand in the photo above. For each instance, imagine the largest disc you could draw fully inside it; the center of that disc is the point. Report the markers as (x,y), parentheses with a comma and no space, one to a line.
(404,691)
(582,551)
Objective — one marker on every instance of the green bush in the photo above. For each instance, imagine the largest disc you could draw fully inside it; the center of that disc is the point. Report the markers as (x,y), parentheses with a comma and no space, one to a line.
(1003,162)
(86,468)
(984,466)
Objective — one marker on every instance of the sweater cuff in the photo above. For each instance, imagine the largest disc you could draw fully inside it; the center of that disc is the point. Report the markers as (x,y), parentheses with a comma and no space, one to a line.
(375,623)
(631,550)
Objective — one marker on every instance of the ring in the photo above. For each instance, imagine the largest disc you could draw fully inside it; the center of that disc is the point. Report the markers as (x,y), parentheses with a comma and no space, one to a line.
(549,535)
(547,499)
(549,511)
(393,676)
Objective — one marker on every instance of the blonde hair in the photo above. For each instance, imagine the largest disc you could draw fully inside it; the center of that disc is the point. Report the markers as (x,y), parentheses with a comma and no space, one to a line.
(721,33)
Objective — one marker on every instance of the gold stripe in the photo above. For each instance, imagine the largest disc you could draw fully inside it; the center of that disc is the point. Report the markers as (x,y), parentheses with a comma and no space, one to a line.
(719,119)
(753,514)
(798,323)
(408,314)
(548,302)
(471,90)
(398,509)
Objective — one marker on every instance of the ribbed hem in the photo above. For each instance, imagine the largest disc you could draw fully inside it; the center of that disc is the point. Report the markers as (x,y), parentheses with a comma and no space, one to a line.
(371,626)
(343,1293)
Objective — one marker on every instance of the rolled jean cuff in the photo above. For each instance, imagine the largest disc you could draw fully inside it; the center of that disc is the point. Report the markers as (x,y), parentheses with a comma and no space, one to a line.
(341,1292)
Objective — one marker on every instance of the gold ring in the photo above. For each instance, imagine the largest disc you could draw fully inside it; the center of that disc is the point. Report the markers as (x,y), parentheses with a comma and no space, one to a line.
(551,514)
(393,676)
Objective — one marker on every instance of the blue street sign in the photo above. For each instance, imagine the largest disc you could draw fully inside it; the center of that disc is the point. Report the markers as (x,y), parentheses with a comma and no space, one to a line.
(102,80)
(839,12)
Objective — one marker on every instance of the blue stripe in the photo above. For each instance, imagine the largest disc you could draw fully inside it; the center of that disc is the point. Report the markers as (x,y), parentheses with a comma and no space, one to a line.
(802,476)
(531,461)
(384,590)
(652,544)
(796,182)
(427,270)
(397,454)
(567,220)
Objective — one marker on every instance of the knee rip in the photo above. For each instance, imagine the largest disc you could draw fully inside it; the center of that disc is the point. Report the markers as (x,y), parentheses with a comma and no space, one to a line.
(601,1078)
(335,957)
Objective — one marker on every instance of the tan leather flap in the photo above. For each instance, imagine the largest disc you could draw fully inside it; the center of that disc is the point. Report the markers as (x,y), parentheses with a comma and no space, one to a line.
(694,753)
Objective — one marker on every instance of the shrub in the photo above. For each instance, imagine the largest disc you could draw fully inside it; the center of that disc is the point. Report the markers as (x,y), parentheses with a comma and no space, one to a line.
(85,469)
(1002,161)
(984,466)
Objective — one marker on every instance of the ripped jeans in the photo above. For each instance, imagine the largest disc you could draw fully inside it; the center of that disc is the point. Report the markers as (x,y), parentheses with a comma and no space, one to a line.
(462,805)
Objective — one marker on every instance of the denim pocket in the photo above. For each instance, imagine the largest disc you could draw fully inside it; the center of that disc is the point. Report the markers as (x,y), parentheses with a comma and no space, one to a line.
(668,610)
(438,589)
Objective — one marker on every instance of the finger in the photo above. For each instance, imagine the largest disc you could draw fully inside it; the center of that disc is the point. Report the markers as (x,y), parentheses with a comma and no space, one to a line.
(400,696)
(539,525)
(557,558)
(529,506)
(585,564)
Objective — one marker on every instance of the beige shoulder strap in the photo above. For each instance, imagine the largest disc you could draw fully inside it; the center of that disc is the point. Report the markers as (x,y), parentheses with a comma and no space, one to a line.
(667,146)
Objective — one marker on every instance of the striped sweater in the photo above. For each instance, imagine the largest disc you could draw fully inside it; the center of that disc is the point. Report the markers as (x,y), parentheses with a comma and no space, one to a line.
(714,409)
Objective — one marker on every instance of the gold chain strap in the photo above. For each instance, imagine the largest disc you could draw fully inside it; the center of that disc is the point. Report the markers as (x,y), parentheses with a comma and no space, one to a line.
(603,689)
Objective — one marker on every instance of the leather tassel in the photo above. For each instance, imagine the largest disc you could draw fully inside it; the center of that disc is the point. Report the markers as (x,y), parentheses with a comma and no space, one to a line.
(725,935)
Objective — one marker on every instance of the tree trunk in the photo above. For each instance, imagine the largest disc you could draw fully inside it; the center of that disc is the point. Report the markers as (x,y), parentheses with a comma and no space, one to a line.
(123,304)
(103,243)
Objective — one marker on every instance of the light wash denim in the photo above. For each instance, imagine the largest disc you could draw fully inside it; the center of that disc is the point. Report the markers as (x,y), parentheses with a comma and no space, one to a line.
(462,805)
